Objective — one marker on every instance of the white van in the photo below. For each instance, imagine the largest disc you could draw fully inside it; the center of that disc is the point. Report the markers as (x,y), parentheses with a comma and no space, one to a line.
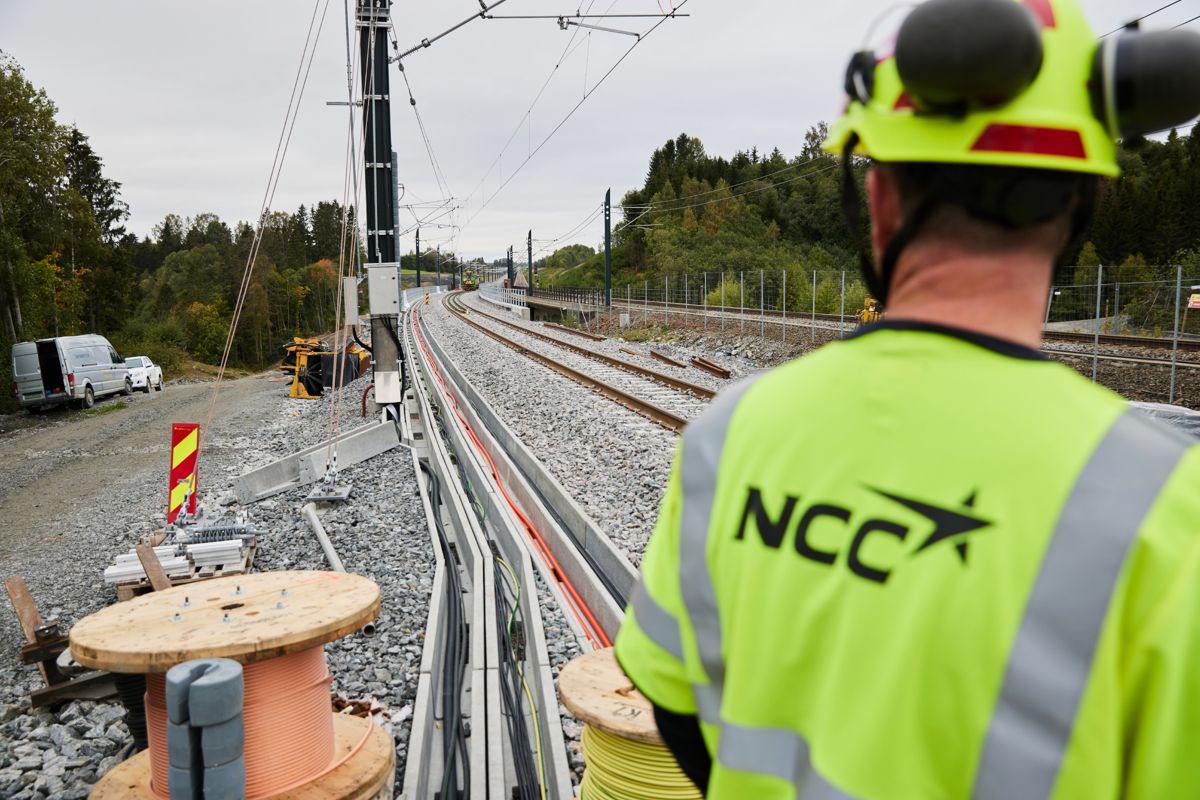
(74,369)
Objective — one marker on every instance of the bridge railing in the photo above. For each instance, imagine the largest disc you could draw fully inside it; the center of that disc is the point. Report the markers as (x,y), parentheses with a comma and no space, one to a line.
(571,294)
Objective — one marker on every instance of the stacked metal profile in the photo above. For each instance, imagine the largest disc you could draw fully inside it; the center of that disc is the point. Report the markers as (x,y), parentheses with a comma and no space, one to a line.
(177,560)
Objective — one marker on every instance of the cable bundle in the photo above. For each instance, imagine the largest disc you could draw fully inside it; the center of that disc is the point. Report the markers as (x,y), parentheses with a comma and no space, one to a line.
(288,724)
(454,662)
(622,769)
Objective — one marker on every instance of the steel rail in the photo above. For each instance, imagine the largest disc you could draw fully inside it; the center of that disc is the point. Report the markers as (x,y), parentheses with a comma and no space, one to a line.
(803,319)
(657,414)
(1154,362)
(628,366)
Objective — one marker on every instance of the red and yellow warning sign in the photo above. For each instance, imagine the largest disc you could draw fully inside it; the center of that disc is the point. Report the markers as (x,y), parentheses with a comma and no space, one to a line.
(185,442)
(1194,301)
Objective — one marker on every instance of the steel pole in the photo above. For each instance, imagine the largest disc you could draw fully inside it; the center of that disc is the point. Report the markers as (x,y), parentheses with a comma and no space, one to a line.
(784,336)
(842,321)
(529,269)
(1096,339)
(608,248)
(418,258)
(1175,343)
(813,328)
(741,301)
(762,307)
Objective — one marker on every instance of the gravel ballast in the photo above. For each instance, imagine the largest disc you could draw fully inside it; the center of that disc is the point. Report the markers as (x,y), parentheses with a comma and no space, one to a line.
(380,533)
(613,461)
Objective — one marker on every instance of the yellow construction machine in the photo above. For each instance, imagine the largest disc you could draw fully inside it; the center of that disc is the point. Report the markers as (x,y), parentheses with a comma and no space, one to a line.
(311,366)
(870,312)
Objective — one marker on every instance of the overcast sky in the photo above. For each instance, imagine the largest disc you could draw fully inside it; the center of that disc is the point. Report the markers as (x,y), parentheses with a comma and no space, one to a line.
(185,101)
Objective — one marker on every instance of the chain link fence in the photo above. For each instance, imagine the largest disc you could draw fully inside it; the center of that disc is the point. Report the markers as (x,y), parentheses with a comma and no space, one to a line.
(1133,328)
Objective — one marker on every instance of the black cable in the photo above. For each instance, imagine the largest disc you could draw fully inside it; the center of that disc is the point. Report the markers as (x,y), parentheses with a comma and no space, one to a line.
(1139,19)
(454,662)
(528,786)
(360,342)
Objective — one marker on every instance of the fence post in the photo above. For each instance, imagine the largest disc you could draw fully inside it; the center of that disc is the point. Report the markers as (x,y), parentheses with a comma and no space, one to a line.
(742,299)
(646,303)
(1175,335)
(813,328)
(784,306)
(842,321)
(666,294)
(1117,310)
(705,301)
(722,300)
(1096,340)
(685,298)
(762,305)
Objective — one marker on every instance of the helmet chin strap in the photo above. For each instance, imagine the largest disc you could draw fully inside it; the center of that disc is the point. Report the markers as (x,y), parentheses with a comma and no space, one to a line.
(878,280)
(1025,201)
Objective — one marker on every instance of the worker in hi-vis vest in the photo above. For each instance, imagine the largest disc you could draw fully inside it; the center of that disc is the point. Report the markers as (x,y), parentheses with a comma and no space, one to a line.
(924,561)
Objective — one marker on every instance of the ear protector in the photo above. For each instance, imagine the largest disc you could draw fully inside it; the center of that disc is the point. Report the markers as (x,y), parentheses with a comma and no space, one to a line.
(1145,82)
(954,55)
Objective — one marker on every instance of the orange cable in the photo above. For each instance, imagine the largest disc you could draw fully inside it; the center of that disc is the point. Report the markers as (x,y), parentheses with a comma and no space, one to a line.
(579,608)
(288,724)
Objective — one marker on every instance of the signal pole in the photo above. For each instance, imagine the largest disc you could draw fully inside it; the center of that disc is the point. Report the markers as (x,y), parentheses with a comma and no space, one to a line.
(512,276)
(608,248)
(529,246)
(372,21)
(418,258)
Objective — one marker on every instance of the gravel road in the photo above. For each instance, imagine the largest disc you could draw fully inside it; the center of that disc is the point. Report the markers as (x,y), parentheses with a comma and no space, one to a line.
(76,489)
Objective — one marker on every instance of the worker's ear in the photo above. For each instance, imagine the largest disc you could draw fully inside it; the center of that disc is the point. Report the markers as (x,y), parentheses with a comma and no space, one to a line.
(883,201)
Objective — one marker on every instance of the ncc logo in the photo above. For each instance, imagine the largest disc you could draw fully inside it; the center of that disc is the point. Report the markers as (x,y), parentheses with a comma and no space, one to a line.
(950,526)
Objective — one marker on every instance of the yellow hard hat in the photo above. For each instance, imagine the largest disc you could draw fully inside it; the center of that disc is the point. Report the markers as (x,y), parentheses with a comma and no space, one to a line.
(1014,83)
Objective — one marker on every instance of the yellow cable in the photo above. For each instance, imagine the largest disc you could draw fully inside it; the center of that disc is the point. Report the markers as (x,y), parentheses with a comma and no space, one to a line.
(537,728)
(621,769)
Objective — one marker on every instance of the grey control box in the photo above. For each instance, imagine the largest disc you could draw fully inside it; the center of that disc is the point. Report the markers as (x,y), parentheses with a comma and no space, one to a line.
(383,286)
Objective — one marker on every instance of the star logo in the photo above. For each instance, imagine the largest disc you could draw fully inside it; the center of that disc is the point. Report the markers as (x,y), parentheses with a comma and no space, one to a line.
(947,524)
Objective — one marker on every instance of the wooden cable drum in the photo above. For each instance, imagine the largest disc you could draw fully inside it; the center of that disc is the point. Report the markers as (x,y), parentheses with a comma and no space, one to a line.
(276,625)
(625,755)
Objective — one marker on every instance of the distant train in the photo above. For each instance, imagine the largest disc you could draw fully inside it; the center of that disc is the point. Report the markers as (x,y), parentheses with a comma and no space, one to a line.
(470,281)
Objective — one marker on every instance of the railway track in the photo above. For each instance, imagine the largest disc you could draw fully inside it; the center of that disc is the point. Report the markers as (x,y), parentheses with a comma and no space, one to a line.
(1159,362)
(803,319)
(664,399)
(511,520)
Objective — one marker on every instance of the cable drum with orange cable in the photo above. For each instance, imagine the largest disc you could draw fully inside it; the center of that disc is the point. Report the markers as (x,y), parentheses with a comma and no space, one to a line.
(276,625)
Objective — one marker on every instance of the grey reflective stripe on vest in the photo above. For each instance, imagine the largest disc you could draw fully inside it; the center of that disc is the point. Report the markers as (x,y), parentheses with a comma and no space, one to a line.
(703,441)
(765,751)
(656,622)
(1052,654)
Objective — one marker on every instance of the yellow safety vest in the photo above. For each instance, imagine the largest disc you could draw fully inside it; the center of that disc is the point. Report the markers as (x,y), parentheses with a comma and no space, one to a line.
(920,563)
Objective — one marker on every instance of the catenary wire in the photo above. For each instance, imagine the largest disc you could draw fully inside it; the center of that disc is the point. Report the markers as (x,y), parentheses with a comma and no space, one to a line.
(1142,17)
(570,114)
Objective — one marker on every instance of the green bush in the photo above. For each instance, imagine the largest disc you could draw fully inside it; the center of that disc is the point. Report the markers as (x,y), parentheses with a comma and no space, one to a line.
(161,341)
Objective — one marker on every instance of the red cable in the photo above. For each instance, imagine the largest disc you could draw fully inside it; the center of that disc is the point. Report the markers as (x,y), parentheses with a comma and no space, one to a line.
(370,386)
(591,627)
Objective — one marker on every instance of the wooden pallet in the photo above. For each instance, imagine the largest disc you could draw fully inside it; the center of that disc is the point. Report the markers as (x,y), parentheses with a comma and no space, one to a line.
(131,589)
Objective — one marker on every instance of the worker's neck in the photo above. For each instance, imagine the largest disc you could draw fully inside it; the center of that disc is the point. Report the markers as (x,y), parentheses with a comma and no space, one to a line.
(997,294)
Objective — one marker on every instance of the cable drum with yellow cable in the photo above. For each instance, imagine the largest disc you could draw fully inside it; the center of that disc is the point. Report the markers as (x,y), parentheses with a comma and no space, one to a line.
(625,755)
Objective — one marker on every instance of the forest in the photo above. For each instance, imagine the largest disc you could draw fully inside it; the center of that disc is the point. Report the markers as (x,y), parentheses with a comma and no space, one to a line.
(68,265)
(696,212)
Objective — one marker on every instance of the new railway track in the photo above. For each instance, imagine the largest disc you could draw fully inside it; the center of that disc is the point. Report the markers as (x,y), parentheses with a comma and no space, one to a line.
(504,518)
(802,319)
(664,399)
